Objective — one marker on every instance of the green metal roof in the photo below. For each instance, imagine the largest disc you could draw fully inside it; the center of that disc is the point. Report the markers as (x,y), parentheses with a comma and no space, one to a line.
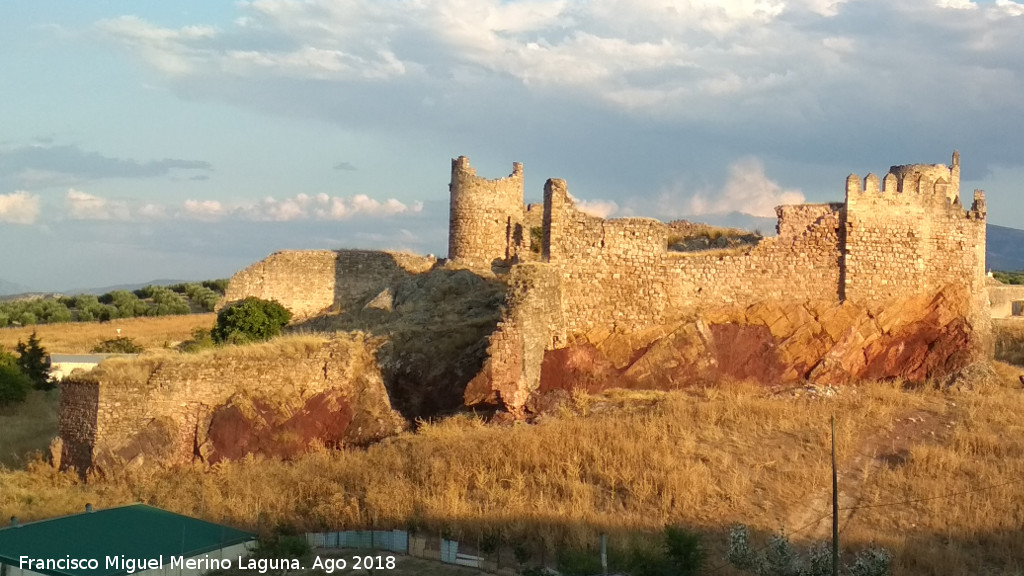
(133,531)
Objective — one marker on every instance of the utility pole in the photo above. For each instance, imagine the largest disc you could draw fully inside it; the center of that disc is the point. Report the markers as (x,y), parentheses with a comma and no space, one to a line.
(835,505)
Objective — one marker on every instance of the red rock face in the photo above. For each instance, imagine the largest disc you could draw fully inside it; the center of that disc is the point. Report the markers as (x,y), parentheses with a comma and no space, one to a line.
(253,426)
(914,338)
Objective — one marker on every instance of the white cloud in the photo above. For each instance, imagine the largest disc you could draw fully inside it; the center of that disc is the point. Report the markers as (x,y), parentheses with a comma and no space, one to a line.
(1010,8)
(704,60)
(957,4)
(599,208)
(208,210)
(84,206)
(747,191)
(19,208)
(299,207)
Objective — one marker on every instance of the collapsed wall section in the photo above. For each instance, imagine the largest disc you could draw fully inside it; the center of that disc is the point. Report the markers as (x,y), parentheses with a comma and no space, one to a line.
(310,282)
(276,399)
(486,217)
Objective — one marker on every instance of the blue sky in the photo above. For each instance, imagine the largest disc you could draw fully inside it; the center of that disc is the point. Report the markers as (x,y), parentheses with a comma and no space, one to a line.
(143,140)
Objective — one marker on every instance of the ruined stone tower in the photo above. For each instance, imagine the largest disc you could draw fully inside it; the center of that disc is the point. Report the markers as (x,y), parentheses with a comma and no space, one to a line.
(910,233)
(485,216)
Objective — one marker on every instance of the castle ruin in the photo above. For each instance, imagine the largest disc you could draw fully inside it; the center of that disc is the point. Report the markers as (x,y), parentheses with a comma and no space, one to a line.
(888,283)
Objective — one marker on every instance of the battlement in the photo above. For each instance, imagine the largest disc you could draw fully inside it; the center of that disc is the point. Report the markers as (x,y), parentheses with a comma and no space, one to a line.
(921,185)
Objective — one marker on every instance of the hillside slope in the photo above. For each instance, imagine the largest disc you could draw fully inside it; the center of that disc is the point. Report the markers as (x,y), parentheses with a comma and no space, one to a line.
(1005,248)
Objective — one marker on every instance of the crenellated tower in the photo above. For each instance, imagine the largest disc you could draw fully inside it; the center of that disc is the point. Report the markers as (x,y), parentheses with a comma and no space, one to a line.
(485,216)
(909,233)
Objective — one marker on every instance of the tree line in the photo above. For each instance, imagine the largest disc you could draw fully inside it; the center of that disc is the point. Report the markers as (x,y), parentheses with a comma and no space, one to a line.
(184,298)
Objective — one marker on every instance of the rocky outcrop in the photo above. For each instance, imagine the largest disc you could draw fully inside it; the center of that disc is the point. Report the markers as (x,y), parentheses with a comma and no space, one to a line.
(913,338)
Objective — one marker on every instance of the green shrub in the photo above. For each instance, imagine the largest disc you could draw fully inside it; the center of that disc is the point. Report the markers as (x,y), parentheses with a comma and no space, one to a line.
(14,385)
(780,558)
(119,345)
(577,562)
(250,320)
(201,340)
(683,549)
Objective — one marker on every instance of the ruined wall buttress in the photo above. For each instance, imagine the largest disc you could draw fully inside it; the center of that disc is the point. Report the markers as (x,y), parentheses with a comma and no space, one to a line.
(486,217)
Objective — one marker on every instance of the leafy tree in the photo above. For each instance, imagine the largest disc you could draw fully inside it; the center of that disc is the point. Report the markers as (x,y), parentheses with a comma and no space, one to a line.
(202,296)
(14,385)
(32,362)
(128,304)
(250,320)
(167,302)
(119,345)
(220,286)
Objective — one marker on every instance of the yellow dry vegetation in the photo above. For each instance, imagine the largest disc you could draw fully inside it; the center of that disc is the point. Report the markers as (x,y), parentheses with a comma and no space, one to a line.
(81,337)
(934,475)
(1009,334)
(131,372)
(27,427)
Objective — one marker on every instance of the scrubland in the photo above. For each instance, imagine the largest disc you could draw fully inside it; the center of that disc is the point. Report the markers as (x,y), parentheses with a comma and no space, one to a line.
(935,474)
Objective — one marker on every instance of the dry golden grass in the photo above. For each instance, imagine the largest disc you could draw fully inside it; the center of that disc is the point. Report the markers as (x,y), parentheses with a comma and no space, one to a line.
(1009,340)
(80,337)
(134,372)
(706,459)
(27,427)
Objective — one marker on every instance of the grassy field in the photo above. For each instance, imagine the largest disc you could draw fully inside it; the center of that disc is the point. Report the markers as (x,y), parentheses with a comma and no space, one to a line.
(28,427)
(80,337)
(934,475)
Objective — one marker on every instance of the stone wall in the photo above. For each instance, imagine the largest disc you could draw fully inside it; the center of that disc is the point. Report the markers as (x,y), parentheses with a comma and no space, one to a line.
(309,282)
(619,274)
(277,398)
(908,235)
(905,248)
(486,217)
(1006,300)
(532,323)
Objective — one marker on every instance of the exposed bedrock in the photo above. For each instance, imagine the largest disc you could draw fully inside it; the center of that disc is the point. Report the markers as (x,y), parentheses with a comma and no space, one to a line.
(914,338)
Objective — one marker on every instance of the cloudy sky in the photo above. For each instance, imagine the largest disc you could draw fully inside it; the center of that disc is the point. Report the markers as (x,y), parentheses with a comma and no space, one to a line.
(144,140)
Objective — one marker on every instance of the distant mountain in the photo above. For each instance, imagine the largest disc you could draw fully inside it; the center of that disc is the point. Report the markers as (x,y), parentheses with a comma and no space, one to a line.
(8,288)
(1005,249)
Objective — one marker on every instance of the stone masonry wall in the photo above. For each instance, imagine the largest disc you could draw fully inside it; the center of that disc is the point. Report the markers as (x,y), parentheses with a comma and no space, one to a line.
(905,246)
(160,407)
(532,323)
(79,404)
(309,282)
(486,217)
(620,275)
(907,235)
